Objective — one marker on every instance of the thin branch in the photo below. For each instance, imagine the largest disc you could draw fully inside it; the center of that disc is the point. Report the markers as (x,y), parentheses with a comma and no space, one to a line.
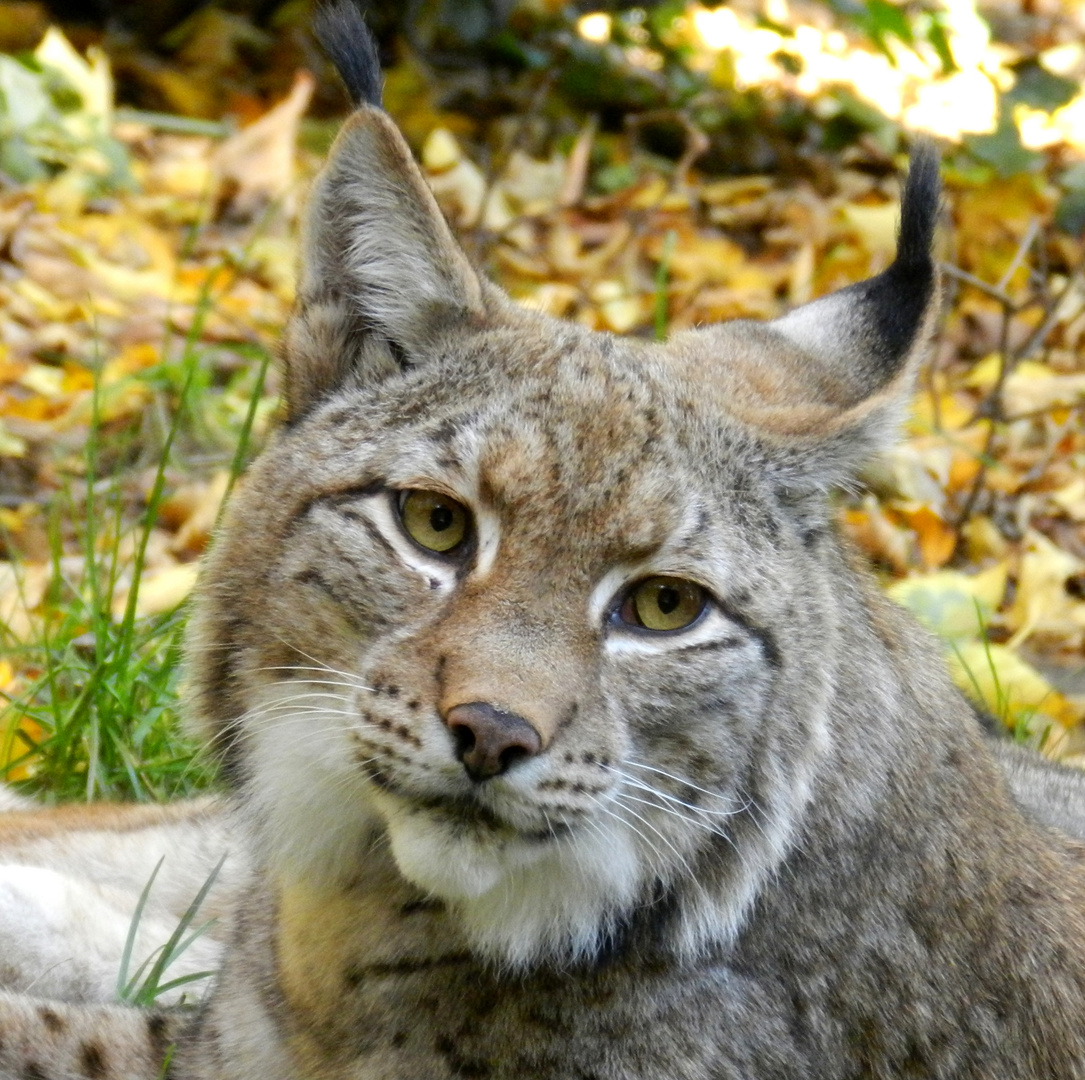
(1046,410)
(979,284)
(1030,237)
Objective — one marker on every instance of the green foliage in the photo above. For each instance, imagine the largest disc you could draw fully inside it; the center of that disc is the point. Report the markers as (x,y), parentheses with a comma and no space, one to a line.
(56,112)
(101,720)
(1039,88)
(102,713)
(882,22)
(144,986)
(1070,213)
(1036,88)
(663,273)
(1002,149)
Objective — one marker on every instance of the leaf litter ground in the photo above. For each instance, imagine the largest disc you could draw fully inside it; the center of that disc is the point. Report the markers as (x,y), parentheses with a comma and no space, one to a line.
(137,325)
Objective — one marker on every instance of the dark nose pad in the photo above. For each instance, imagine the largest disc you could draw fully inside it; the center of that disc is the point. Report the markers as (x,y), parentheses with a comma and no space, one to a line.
(488,740)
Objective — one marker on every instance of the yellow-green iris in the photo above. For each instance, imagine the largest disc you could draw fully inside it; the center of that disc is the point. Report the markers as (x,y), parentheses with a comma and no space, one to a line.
(664,603)
(434,521)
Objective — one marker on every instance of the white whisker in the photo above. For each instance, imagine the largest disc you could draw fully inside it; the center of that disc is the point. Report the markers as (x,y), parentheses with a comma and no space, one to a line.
(684,781)
(634,782)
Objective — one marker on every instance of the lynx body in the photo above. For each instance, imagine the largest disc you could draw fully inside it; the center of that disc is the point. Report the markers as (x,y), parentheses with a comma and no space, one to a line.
(566,737)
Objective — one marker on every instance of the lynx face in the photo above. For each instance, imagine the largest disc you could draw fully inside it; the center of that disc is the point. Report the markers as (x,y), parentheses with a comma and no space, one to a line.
(544,610)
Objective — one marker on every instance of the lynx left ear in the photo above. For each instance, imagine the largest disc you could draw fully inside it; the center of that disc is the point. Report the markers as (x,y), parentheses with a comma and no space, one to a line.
(825,386)
(380,270)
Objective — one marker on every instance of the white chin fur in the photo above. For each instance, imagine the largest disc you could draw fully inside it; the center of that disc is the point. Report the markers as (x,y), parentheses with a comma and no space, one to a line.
(444,862)
(521,901)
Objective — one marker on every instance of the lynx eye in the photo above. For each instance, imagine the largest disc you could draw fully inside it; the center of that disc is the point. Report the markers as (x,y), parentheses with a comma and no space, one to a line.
(432,520)
(663,603)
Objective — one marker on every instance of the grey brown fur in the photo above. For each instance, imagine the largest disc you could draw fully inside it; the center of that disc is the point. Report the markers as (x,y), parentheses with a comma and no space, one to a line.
(769,844)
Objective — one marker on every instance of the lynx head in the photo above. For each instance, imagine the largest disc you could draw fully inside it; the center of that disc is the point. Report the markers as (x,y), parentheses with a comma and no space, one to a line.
(553,612)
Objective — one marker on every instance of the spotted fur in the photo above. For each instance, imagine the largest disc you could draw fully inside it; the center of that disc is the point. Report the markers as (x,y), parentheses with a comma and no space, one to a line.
(769,844)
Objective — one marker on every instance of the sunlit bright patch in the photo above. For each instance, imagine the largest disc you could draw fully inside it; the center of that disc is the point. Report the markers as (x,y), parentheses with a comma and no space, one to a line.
(594,27)
(716,27)
(907,84)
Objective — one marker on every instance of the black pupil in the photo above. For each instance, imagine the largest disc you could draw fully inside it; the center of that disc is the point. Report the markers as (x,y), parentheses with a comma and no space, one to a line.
(667,600)
(441,518)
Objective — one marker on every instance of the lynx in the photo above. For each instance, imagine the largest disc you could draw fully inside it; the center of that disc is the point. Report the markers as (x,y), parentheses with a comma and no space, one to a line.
(566,737)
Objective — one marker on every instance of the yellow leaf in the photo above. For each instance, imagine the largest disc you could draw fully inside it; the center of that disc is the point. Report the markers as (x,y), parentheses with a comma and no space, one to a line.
(877,535)
(11,445)
(650,195)
(22,589)
(1006,685)
(1042,602)
(198,513)
(160,590)
(90,78)
(43,379)
(15,741)
(952,604)
(936,539)
(1034,386)
(620,311)
(461,191)
(984,539)
(702,259)
(876,226)
(441,150)
(255,166)
(131,360)
(533,185)
(948,413)
(1071,498)
(741,189)
(984,373)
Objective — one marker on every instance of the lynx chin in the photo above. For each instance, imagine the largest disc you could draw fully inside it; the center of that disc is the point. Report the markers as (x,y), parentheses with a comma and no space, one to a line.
(566,738)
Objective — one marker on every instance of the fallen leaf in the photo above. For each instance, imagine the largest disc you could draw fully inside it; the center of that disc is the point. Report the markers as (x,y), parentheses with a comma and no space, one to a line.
(952,604)
(1009,687)
(256,167)
(1043,604)
(160,590)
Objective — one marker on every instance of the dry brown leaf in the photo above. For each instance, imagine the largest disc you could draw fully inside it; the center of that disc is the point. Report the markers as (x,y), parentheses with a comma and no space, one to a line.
(256,167)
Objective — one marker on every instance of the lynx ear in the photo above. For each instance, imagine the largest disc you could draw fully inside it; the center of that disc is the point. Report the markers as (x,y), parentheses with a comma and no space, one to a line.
(825,386)
(380,270)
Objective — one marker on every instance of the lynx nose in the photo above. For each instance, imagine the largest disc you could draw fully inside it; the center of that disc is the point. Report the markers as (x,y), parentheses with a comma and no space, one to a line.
(489,740)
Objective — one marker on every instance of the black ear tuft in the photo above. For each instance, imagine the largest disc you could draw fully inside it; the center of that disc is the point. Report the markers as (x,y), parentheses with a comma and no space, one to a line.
(865,336)
(919,206)
(341,30)
(897,299)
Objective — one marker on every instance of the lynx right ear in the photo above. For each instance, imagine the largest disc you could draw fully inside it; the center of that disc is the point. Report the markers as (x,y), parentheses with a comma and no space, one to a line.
(825,386)
(380,269)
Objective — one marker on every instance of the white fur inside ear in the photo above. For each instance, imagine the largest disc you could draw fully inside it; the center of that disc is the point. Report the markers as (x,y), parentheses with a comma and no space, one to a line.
(822,325)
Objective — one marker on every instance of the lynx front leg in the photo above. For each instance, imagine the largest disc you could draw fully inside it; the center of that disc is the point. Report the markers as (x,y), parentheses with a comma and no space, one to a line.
(50,1040)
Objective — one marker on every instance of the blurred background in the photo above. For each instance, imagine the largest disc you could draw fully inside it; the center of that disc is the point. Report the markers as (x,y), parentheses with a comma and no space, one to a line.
(637,168)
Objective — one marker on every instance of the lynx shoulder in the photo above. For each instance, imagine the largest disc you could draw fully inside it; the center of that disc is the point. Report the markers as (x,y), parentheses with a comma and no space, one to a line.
(567,737)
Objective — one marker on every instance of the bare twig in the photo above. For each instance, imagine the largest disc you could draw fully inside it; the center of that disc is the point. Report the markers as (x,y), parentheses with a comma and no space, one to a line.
(1046,410)
(979,284)
(697,142)
(992,408)
(1030,237)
